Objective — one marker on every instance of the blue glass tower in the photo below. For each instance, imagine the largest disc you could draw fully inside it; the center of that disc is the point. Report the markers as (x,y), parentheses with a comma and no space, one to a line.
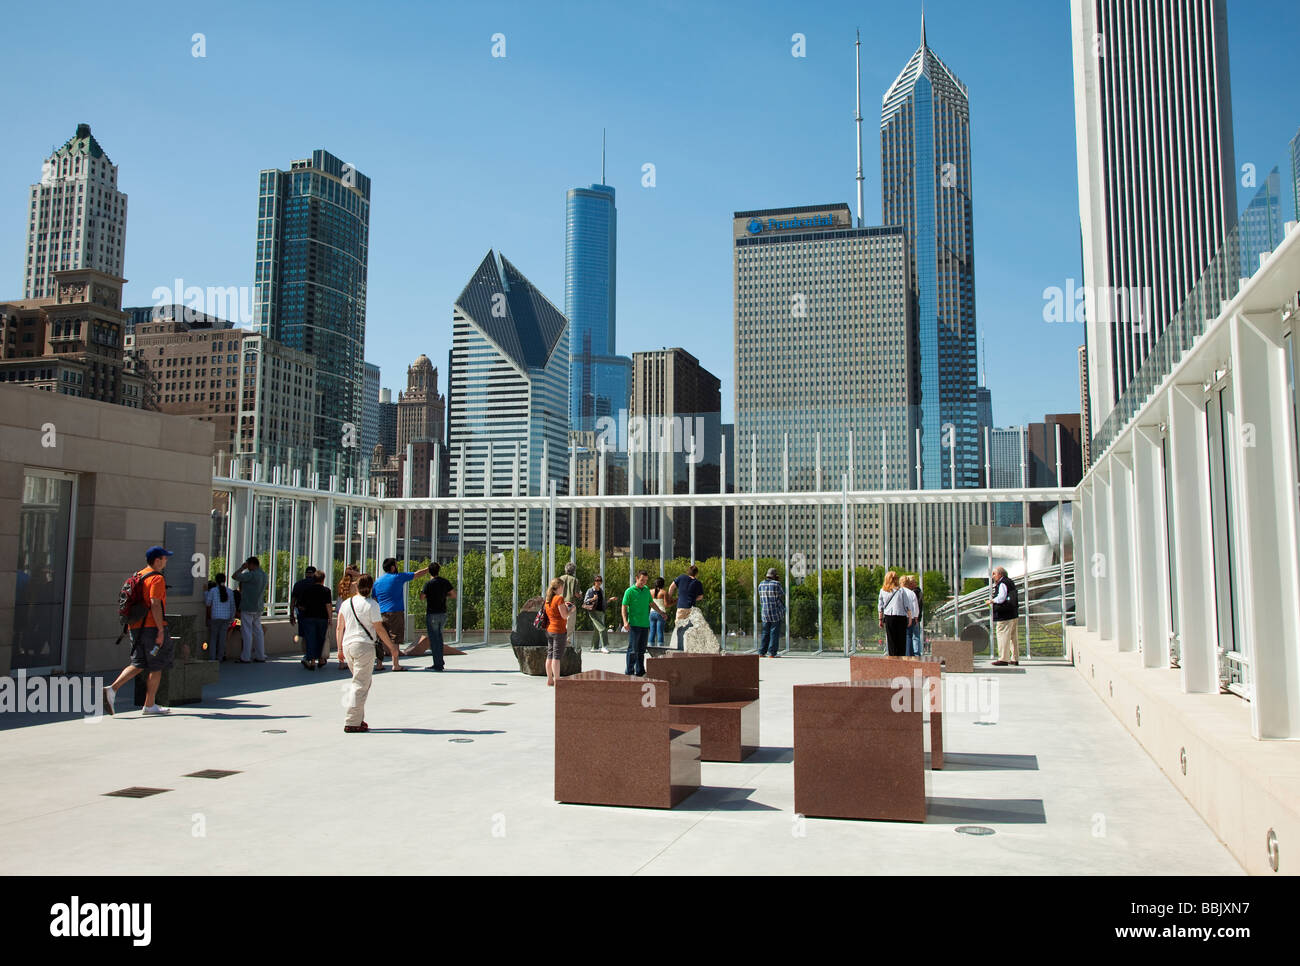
(926,188)
(599,381)
(313,240)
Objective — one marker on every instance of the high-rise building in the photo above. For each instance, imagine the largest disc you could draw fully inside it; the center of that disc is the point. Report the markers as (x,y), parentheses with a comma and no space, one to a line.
(586,482)
(1085,410)
(679,403)
(188,316)
(984,419)
(508,394)
(421,409)
(71,341)
(1260,226)
(370,408)
(825,344)
(1007,470)
(277,388)
(189,371)
(313,240)
(387,421)
(926,189)
(599,380)
(76,216)
(1153,128)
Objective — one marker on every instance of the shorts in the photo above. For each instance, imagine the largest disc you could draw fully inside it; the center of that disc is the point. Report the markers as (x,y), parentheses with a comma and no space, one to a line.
(143,640)
(555,645)
(395,624)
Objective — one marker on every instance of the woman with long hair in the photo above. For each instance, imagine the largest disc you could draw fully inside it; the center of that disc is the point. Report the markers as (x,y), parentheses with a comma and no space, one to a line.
(360,626)
(346,588)
(220,605)
(895,607)
(557,628)
(657,619)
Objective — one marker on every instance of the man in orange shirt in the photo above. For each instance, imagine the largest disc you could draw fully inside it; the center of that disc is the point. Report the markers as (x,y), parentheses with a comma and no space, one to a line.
(151,650)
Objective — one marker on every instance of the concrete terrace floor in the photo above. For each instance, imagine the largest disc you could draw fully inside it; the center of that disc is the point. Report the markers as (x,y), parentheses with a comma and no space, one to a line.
(1064,787)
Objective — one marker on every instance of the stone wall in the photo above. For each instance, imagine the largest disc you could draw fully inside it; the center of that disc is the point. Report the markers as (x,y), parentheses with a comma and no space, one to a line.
(135,471)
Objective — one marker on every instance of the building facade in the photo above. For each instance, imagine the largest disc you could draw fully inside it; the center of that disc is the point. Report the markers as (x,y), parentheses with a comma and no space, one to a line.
(825,344)
(508,402)
(926,188)
(1153,131)
(387,421)
(599,380)
(277,391)
(370,408)
(76,216)
(679,403)
(313,240)
(71,342)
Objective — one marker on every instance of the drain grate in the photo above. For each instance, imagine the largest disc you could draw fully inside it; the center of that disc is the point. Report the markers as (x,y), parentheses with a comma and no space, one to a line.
(468,711)
(499,704)
(973,830)
(273,731)
(461,741)
(136,791)
(500,684)
(211,773)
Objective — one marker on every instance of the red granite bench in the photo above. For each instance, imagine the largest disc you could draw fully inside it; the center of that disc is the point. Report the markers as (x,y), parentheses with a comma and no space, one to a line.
(958,657)
(616,745)
(717,692)
(856,755)
(886,669)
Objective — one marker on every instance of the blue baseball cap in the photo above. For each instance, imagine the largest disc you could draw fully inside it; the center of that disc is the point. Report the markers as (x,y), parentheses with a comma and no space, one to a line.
(153,553)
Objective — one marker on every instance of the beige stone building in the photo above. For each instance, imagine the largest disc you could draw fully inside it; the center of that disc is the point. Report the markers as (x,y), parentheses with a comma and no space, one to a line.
(85,489)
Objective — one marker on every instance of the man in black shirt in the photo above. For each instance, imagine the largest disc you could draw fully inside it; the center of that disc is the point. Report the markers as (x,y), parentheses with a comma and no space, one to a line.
(593,602)
(436,593)
(315,610)
(690,591)
(295,605)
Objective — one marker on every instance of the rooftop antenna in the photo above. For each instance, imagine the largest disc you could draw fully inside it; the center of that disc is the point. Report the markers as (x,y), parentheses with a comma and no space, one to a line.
(983,362)
(602,155)
(857,52)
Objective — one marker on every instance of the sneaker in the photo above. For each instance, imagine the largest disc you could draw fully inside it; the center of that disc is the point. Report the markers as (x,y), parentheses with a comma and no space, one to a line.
(154,709)
(604,650)
(107,701)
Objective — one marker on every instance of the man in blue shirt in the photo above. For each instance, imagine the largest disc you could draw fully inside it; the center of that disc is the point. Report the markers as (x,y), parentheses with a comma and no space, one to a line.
(390,594)
(690,591)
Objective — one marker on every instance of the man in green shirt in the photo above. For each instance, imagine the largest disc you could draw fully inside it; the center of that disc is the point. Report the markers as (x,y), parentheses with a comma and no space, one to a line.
(636,622)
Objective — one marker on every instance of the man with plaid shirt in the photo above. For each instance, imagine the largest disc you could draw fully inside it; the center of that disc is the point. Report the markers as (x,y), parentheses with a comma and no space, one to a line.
(771,602)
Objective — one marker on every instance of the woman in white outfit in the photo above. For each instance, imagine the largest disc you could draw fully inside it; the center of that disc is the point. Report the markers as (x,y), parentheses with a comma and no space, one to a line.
(360,626)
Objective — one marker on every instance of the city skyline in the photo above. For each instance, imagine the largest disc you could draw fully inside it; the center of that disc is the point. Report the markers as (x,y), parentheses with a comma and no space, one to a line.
(674,248)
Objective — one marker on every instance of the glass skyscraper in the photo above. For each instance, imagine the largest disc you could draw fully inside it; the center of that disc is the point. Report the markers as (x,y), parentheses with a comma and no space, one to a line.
(599,381)
(926,188)
(313,238)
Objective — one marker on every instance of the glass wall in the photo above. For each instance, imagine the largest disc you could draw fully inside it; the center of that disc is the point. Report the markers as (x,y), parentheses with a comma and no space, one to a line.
(41,588)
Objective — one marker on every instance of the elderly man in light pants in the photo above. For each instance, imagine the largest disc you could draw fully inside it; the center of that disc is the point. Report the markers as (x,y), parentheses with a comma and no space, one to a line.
(1006,610)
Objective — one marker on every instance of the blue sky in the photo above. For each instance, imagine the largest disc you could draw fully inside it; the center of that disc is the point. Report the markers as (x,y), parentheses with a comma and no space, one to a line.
(468,152)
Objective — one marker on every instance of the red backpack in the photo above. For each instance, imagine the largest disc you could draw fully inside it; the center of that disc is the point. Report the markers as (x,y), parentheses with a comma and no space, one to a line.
(132,604)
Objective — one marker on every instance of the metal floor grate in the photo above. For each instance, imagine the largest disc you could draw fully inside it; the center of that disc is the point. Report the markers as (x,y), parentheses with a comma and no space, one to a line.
(468,711)
(499,704)
(136,791)
(211,773)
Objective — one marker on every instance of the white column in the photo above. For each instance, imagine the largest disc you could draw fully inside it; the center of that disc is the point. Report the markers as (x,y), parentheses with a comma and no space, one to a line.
(1193,545)
(1151,576)
(1266,533)
(1102,565)
(1120,565)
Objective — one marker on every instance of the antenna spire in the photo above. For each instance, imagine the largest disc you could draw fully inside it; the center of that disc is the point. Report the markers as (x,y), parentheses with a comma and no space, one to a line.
(602,155)
(857,52)
(922,24)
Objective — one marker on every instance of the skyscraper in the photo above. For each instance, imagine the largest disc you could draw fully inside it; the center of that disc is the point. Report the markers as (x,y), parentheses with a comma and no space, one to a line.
(76,217)
(599,380)
(370,408)
(1153,128)
(313,240)
(926,188)
(680,404)
(825,338)
(508,385)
